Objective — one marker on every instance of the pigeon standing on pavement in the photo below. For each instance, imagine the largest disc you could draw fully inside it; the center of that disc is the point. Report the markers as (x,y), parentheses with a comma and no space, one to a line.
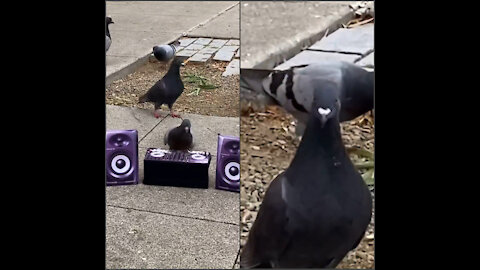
(319,208)
(293,88)
(108,38)
(166,90)
(180,138)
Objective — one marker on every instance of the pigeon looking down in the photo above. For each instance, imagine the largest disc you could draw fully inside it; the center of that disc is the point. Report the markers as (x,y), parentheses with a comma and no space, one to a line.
(180,138)
(108,38)
(165,52)
(294,88)
(319,208)
(166,90)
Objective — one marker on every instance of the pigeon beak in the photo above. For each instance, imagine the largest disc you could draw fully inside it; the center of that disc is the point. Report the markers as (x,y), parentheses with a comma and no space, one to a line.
(323,115)
(323,120)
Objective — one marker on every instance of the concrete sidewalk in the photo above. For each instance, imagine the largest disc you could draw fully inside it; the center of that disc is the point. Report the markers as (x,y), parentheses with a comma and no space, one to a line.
(171,227)
(140,25)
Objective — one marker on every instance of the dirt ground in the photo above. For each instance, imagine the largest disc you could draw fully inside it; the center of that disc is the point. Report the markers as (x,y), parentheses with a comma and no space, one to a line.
(220,101)
(268,144)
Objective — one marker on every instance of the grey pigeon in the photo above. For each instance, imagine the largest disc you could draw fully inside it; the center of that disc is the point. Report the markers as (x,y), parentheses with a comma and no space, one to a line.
(108,38)
(180,138)
(165,52)
(166,90)
(319,208)
(293,88)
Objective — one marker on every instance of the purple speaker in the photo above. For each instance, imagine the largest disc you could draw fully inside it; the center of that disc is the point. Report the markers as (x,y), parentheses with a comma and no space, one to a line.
(121,156)
(228,163)
(176,168)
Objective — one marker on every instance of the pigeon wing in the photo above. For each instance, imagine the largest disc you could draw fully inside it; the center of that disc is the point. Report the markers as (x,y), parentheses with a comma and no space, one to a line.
(293,88)
(108,42)
(157,92)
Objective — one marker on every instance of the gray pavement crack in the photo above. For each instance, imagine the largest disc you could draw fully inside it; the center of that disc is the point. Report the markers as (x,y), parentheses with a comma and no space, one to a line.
(173,215)
(333,51)
(236,259)
(152,129)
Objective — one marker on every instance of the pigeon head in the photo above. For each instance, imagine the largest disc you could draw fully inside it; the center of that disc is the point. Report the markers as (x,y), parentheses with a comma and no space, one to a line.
(186,125)
(326,105)
(108,20)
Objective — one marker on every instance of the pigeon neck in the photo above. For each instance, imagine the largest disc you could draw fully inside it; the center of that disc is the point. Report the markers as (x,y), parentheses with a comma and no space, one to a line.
(320,142)
(108,31)
(174,69)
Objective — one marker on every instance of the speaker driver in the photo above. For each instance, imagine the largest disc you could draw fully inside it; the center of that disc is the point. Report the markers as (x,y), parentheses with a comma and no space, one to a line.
(232,171)
(120,164)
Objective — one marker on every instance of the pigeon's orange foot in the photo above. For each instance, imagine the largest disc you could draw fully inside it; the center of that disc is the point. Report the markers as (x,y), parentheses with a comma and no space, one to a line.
(157,114)
(175,115)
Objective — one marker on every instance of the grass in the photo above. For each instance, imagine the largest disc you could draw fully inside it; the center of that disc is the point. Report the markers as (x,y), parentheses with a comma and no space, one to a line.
(200,82)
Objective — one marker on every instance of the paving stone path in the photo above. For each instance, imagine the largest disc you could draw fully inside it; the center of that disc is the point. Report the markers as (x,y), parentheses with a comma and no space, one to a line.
(354,45)
(202,49)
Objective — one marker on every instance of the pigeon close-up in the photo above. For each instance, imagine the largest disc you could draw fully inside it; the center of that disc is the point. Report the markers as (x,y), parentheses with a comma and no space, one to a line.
(180,138)
(165,52)
(108,38)
(319,208)
(293,89)
(167,90)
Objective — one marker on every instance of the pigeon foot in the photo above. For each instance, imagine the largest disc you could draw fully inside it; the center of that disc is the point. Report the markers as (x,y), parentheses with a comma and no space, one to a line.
(157,114)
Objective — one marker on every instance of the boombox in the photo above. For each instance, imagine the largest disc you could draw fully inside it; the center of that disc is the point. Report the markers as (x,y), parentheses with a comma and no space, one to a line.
(121,157)
(176,168)
(228,163)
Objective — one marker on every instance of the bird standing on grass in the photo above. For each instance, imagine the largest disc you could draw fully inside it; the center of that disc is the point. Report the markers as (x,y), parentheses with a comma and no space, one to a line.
(166,90)
(180,138)
(108,38)
(319,208)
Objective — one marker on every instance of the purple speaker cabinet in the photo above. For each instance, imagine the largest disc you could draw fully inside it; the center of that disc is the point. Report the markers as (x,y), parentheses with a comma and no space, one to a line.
(121,157)
(228,163)
(176,168)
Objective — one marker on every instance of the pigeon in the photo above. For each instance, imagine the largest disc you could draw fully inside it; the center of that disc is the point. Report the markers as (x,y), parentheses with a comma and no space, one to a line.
(108,38)
(319,208)
(180,138)
(166,90)
(165,52)
(293,88)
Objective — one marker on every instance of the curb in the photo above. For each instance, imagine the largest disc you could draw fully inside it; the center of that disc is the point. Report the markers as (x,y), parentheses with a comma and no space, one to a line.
(283,54)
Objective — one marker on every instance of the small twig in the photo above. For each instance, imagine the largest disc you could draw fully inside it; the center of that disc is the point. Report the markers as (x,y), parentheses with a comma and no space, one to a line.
(361,152)
(360,23)
(364,165)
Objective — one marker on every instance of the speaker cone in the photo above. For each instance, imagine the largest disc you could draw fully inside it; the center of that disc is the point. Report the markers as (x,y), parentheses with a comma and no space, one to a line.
(232,171)
(120,164)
